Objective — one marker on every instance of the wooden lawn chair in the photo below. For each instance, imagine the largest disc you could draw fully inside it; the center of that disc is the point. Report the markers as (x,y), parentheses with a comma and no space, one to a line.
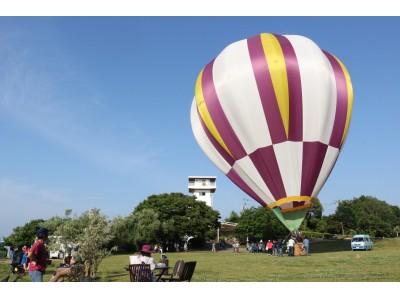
(176,273)
(187,272)
(140,273)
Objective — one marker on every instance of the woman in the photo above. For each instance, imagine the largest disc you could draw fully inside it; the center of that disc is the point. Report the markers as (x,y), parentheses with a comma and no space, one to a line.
(145,258)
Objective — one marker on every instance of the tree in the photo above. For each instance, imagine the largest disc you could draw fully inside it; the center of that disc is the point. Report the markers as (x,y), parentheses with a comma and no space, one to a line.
(367,214)
(314,220)
(121,229)
(91,233)
(24,235)
(233,217)
(259,223)
(179,216)
(147,227)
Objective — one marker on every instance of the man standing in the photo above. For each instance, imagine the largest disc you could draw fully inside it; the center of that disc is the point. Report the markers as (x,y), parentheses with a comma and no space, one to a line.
(306,243)
(291,247)
(38,256)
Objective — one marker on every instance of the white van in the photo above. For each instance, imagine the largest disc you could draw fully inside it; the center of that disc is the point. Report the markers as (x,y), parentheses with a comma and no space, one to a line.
(362,242)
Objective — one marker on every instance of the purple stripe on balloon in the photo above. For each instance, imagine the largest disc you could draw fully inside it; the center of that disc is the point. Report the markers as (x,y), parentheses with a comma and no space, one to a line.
(297,203)
(295,95)
(266,90)
(265,162)
(234,177)
(218,115)
(341,102)
(225,155)
(313,158)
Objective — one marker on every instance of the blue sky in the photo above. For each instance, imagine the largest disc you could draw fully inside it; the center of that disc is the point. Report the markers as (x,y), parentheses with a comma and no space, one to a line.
(94,111)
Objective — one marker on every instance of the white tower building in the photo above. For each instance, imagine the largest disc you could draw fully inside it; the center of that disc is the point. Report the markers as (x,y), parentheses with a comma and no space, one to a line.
(203,187)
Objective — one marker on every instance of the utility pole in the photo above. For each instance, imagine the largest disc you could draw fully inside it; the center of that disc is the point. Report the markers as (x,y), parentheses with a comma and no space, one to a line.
(243,209)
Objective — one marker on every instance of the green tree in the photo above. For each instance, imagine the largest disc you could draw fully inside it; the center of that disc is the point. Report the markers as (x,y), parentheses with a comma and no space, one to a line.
(91,232)
(24,235)
(367,214)
(259,223)
(314,220)
(121,229)
(233,217)
(148,228)
(179,216)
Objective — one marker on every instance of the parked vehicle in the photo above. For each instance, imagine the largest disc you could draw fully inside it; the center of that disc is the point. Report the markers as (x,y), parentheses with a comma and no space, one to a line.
(362,242)
(57,254)
(57,249)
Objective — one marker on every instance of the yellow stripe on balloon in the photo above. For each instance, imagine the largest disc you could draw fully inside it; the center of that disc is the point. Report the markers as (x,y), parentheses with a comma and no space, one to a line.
(277,68)
(349,98)
(205,115)
(290,199)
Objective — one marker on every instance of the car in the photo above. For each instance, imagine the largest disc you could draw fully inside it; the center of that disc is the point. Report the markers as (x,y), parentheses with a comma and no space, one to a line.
(56,254)
(361,242)
(57,248)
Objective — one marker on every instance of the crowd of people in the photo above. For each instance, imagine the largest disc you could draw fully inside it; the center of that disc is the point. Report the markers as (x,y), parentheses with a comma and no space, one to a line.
(33,260)
(275,247)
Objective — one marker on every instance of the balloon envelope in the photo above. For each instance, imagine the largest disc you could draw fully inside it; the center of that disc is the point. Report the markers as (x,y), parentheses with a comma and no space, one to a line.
(272,113)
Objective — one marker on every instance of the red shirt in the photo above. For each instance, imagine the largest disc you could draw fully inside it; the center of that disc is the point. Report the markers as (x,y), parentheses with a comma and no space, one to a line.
(39,250)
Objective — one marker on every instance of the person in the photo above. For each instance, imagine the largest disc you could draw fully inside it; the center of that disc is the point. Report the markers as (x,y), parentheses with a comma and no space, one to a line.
(306,244)
(261,246)
(144,257)
(65,269)
(274,247)
(24,261)
(38,256)
(269,245)
(291,246)
(213,249)
(176,247)
(16,259)
(280,246)
(11,253)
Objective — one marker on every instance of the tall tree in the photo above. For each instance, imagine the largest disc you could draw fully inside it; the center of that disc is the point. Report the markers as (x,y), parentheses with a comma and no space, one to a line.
(180,215)
(367,214)
(259,223)
(147,227)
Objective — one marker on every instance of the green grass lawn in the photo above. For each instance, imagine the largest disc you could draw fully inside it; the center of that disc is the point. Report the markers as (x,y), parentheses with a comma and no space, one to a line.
(329,261)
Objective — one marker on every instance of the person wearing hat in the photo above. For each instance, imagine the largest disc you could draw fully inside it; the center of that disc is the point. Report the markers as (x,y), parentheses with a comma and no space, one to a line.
(145,257)
(38,256)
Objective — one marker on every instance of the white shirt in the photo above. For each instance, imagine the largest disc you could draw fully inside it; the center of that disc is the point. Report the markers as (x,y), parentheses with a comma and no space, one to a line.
(144,259)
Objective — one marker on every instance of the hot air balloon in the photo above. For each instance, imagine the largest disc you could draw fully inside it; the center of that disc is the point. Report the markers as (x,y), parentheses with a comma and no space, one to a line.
(272,112)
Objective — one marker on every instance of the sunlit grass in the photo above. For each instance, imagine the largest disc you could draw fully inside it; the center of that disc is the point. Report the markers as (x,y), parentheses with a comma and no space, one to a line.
(330,261)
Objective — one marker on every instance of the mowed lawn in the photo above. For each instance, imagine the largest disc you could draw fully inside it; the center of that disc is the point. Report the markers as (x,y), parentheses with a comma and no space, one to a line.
(329,261)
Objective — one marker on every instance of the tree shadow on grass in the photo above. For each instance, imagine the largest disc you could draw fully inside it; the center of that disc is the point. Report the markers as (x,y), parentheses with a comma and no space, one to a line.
(326,246)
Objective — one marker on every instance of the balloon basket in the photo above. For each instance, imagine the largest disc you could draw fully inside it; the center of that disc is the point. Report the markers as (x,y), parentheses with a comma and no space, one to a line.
(299,250)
